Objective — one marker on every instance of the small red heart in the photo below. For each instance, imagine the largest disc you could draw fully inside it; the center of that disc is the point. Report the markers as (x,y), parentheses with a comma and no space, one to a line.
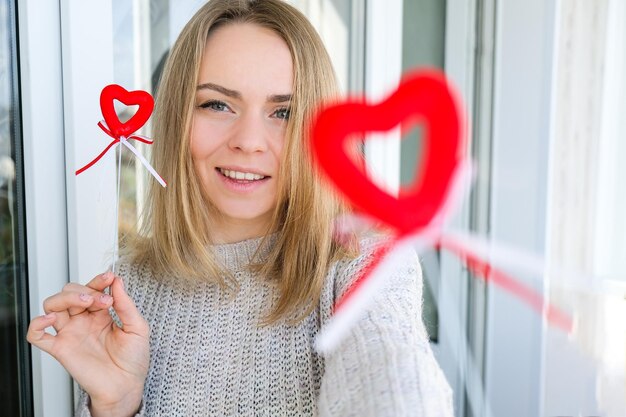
(115,92)
(422,96)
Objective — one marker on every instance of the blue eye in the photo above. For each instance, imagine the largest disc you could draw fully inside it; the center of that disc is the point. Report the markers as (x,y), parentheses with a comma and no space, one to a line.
(282,113)
(215,105)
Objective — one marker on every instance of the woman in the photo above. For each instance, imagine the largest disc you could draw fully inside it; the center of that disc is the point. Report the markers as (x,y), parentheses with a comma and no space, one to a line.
(236,271)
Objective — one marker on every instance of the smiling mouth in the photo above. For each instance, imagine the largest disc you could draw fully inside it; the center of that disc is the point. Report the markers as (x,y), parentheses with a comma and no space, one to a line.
(241,176)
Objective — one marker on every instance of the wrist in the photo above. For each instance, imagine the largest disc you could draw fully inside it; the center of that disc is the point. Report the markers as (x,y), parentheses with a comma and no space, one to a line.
(128,406)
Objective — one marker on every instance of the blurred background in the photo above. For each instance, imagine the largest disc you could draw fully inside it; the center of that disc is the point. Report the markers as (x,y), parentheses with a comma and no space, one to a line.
(544,87)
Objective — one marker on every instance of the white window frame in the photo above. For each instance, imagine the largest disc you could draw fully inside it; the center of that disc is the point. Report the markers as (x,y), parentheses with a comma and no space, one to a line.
(87,59)
(522,128)
(452,292)
(383,70)
(44,175)
(66,57)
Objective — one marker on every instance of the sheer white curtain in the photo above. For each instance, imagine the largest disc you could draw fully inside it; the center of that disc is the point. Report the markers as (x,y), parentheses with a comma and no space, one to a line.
(587,231)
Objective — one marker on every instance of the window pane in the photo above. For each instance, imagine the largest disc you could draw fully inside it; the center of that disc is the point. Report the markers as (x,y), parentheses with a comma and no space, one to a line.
(423,45)
(15,379)
(144,31)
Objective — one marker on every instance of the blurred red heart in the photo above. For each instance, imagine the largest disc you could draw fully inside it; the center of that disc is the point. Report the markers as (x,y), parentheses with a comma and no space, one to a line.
(141,98)
(423,96)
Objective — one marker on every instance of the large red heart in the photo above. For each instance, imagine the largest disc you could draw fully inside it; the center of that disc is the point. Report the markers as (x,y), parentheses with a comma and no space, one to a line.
(424,96)
(129,98)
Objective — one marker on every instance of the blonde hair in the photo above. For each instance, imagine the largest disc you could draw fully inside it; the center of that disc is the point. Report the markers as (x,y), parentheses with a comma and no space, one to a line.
(175,238)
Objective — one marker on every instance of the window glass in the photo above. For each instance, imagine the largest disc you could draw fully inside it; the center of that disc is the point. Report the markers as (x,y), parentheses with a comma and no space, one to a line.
(143,32)
(423,45)
(15,379)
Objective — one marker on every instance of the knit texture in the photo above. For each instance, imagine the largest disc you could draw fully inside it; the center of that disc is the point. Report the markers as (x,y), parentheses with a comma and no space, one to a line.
(209,357)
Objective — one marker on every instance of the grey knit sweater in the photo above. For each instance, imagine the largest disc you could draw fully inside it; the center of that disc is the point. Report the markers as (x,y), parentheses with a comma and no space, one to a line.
(209,357)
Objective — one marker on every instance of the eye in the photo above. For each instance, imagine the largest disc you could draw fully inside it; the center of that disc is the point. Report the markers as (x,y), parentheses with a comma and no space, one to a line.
(282,113)
(215,105)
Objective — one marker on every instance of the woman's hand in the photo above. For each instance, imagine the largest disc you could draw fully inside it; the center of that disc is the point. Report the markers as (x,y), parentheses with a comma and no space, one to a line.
(109,362)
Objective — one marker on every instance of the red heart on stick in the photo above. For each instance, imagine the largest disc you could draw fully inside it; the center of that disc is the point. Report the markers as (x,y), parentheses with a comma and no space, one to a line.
(423,96)
(129,98)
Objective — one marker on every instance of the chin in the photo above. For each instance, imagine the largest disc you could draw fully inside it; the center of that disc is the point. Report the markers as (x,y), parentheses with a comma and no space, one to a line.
(248,213)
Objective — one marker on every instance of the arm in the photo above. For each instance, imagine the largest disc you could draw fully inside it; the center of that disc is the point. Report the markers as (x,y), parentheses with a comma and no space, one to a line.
(385,366)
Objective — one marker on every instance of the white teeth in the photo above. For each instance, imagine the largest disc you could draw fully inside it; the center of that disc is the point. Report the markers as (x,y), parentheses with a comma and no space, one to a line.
(249,176)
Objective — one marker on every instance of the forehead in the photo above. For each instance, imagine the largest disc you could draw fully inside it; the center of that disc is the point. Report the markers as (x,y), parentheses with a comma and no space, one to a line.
(248,58)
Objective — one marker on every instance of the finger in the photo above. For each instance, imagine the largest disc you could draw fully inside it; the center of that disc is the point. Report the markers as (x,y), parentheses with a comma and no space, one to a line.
(61,303)
(100,282)
(70,303)
(66,300)
(99,302)
(36,334)
(126,310)
(102,300)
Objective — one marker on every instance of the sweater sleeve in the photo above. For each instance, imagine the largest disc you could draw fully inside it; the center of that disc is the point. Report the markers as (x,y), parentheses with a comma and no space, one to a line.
(82,405)
(385,366)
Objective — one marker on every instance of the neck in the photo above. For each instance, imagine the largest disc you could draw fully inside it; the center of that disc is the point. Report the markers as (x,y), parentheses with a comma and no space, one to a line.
(228,230)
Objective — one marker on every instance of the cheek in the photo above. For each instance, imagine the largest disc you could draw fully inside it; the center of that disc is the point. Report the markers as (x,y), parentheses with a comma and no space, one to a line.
(195,141)
(197,148)
(277,150)
(278,145)
(203,140)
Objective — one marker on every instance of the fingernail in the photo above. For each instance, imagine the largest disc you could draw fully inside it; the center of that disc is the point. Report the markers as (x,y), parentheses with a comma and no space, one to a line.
(122,282)
(49,316)
(107,275)
(85,297)
(105,298)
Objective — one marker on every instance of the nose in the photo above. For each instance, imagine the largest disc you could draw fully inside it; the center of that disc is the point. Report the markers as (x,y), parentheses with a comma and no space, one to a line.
(250,135)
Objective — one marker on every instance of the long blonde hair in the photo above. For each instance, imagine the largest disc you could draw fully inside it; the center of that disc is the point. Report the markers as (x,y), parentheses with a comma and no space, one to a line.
(175,238)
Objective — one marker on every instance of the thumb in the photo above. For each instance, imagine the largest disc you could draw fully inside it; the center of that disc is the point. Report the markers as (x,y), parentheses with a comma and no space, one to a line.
(124,306)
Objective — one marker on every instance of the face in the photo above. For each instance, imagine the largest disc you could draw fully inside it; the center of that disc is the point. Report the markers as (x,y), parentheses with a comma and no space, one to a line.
(239,123)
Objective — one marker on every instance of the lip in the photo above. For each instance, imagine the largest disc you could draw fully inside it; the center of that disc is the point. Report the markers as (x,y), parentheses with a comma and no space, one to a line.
(241,186)
(242,169)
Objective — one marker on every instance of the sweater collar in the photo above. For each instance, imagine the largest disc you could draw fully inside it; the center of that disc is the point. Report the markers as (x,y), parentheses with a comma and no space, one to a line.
(237,256)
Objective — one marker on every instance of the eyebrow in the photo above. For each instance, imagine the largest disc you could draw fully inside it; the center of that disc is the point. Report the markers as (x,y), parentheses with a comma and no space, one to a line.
(279,98)
(275,98)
